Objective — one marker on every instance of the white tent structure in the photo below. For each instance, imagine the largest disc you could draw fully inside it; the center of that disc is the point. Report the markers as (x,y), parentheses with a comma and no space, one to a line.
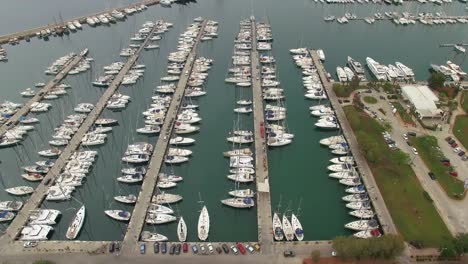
(423,101)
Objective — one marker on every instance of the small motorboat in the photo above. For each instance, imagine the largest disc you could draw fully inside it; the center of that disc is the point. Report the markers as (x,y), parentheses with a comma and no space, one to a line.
(105,122)
(127,199)
(147,236)
(131,178)
(54,152)
(181,141)
(166,184)
(32,176)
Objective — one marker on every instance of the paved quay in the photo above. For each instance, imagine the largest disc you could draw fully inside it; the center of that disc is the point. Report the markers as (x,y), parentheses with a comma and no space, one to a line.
(264,218)
(381,210)
(130,243)
(23,111)
(40,193)
(32,32)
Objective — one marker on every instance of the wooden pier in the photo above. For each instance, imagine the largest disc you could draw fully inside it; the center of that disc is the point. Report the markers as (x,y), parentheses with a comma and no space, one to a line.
(23,111)
(137,221)
(30,33)
(375,196)
(264,218)
(40,193)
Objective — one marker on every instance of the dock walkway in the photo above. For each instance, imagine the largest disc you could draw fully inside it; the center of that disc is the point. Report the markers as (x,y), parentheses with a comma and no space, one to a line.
(32,32)
(374,193)
(130,242)
(23,111)
(264,218)
(40,193)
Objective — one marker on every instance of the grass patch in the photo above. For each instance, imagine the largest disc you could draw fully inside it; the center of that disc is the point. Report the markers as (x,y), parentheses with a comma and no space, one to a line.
(343,89)
(405,116)
(464,101)
(370,99)
(460,129)
(429,151)
(414,215)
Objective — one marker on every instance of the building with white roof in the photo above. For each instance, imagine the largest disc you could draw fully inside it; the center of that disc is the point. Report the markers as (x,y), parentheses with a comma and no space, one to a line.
(423,101)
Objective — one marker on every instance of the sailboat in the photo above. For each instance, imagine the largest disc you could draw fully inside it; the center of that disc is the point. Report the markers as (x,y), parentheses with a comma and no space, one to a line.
(76,224)
(277,228)
(297,227)
(182,230)
(287,228)
(203,224)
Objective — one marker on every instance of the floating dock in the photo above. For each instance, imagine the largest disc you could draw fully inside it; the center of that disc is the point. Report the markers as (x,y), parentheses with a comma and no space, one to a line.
(366,174)
(29,33)
(130,243)
(40,193)
(23,111)
(264,218)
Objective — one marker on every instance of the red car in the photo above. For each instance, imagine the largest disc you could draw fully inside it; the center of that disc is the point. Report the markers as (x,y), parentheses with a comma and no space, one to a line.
(241,248)
(453,173)
(185,247)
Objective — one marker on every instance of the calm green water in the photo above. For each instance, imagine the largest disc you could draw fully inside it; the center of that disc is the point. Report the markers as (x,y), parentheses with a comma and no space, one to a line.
(297,171)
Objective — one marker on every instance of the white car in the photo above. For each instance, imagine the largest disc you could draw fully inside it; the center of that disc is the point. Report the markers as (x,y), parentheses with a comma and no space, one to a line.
(405,136)
(456,150)
(30,244)
(415,151)
(210,247)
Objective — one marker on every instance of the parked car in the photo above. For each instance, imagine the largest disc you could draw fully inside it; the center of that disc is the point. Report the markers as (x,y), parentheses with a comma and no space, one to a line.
(156,247)
(117,246)
(241,248)
(448,139)
(219,250)
(172,249)
(256,246)
(289,253)
(202,248)
(250,248)
(464,158)
(178,247)
(431,174)
(405,136)
(142,248)
(234,250)
(456,150)
(30,244)
(454,173)
(413,134)
(461,153)
(185,247)
(415,151)
(111,247)
(194,249)
(454,145)
(225,248)
(164,247)
(210,248)
(409,143)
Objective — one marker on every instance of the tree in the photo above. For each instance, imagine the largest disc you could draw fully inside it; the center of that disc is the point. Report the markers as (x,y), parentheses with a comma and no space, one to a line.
(384,247)
(461,243)
(354,84)
(316,255)
(436,80)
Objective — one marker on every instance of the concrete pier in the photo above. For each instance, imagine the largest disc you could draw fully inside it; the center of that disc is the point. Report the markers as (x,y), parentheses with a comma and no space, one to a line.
(381,210)
(32,32)
(13,120)
(130,242)
(41,191)
(264,218)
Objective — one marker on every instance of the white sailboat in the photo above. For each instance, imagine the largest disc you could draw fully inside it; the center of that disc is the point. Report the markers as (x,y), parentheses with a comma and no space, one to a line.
(203,224)
(287,228)
(277,228)
(297,227)
(147,236)
(182,230)
(77,223)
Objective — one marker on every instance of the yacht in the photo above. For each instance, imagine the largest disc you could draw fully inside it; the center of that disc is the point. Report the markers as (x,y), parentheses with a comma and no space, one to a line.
(159,209)
(149,129)
(179,152)
(238,152)
(241,177)
(33,177)
(359,205)
(356,189)
(277,228)
(6,216)
(203,224)
(11,205)
(127,199)
(245,193)
(239,202)
(157,219)
(20,190)
(278,141)
(147,236)
(321,54)
(166,184)
(134,170)
(360,197)
(362,225)
(349,73)
(363,214)
(374,232)
(169,177)
(166,198)
(36,169)
(341,74)
(137,158)
(28,120)
(243,110)
(175,159)
(332,140)
(43,216)
(350,181)
(241,139)
(377,69)
(28,93)
(405,69)
(119,215)
(287,229)
(130,178)
(36,232)
(105,122)
(57,193)
(77,223)
(343,160)
(181,141)
(297,227)
(182,230)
